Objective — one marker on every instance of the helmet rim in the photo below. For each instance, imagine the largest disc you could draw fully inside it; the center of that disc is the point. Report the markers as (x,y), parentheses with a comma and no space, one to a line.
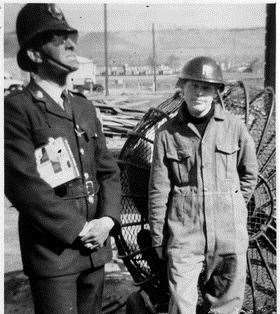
(202,69)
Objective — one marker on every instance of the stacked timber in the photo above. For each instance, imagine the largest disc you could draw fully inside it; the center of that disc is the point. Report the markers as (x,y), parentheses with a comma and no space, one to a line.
(118,120)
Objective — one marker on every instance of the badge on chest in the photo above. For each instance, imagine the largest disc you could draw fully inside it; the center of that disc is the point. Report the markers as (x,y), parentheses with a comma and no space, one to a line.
(55,162)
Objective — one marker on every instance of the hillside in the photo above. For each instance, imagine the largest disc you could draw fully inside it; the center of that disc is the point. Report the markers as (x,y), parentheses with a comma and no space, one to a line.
(240,45)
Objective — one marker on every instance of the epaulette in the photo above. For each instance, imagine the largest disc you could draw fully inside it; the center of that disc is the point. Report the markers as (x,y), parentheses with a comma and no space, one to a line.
(14,93)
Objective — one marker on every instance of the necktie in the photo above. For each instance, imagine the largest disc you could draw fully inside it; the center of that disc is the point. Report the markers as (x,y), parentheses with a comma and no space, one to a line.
(66,103)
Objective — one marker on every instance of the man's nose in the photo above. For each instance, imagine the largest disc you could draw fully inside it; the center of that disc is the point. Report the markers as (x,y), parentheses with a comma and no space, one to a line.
(70,44)
(199,92)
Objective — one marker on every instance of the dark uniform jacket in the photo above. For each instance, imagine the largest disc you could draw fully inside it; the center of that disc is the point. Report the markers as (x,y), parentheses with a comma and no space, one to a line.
(50,219)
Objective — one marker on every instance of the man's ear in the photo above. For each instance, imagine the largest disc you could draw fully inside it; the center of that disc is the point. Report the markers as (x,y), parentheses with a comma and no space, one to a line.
(35,56)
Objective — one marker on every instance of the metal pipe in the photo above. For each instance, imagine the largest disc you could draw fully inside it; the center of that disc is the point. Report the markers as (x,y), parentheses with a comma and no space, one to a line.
(247,106)
(106,50)
(270,43)
(253,288)
(154,58)
(269,90)
(272,155)
(266,265)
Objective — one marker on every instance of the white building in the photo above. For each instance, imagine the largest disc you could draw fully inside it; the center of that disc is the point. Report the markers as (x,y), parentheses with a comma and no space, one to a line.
(86,72)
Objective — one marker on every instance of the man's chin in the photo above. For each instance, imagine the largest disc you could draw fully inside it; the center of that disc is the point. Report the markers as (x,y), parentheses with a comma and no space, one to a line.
(198,112)
(199,108)
(199,103)
(72,63)
(74,66)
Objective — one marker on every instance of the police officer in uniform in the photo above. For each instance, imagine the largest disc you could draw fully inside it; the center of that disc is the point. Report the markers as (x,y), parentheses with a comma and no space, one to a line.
(64,231)
(204,171)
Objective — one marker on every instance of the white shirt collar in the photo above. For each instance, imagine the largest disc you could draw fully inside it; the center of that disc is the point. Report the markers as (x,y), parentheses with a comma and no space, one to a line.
(52,89)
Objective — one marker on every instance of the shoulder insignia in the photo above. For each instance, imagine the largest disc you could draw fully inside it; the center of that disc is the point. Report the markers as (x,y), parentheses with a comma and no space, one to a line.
(39,94)
(14,93)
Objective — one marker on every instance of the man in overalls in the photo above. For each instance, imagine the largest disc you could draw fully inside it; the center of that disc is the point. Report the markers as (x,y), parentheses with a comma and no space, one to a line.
(203,174)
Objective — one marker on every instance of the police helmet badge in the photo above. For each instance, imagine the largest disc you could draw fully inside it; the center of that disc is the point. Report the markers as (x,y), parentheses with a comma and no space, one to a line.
(55,11)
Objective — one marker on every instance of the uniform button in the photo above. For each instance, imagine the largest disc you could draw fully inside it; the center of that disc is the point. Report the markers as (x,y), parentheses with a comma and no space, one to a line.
(86,175)
(82,151)
(205,189)
(39,94)
(91,199)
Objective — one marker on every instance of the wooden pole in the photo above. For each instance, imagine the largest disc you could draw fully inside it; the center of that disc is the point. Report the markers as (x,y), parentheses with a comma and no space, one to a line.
(154,58)
(270,43)
(106,50)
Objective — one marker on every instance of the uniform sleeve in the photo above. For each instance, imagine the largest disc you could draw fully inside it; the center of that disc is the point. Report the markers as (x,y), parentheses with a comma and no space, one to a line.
(108,176)
(32,196)
(247,164)
(159,189)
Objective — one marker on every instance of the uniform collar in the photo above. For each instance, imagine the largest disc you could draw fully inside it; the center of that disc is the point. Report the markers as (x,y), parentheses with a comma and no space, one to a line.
(41,96)
(52,89)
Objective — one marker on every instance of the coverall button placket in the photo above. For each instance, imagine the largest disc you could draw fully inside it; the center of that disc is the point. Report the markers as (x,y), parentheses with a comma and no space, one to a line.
(208,210)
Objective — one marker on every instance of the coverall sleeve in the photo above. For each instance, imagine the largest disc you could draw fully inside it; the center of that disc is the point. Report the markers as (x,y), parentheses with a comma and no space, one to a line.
(159,189)
(108,176)
(247,164)
(32,196)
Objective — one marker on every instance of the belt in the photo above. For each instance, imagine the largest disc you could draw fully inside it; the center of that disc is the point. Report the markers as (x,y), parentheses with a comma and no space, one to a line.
(90,188)
(77,189)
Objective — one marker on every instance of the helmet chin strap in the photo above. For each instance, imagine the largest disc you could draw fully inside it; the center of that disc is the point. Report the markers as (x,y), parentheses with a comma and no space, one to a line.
(220,98)
(58,64)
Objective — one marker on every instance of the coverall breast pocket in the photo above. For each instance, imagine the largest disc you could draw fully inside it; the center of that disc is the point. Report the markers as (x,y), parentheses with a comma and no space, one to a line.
(179,162)
(226,160)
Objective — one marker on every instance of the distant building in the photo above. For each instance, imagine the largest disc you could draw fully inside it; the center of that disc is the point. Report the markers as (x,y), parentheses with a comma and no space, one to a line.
(134,70)
(164,70)
(86,72)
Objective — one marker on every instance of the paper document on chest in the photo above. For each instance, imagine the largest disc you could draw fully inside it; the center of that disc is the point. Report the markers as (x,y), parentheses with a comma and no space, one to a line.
(55,162)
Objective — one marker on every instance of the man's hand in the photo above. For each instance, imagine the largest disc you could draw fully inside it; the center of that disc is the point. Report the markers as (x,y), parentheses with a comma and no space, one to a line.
(95,232)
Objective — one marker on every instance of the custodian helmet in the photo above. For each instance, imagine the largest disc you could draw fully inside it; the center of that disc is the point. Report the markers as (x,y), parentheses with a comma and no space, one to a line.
(34,20)
(202,69)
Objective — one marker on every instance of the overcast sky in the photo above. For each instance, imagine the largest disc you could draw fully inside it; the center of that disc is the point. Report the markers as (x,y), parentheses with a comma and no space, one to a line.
(89,17)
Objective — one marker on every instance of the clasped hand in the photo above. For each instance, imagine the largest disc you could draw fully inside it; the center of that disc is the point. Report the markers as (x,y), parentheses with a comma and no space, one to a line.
(95,232)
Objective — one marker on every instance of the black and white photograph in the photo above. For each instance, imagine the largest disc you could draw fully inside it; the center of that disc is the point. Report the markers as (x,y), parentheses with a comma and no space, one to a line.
(139,157)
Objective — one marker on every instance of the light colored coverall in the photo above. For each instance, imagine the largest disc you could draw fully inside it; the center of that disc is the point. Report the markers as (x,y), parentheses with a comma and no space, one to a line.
(198,192)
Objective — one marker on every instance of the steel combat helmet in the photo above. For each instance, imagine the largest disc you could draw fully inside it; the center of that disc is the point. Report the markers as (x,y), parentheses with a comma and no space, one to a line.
(33,22)
(203,69)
